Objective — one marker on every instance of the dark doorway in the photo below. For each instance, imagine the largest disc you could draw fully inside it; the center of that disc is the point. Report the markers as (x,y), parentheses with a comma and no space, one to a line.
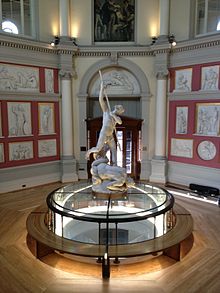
(128,136)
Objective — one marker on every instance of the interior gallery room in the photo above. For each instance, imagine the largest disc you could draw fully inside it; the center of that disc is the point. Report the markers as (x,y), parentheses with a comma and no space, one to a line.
(110,146)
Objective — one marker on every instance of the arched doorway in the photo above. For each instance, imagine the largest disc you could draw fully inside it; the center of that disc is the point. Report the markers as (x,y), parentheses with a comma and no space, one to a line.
(134,97)
(128,140)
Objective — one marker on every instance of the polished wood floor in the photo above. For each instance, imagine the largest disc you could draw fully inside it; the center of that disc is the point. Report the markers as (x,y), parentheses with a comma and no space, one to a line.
(20,271)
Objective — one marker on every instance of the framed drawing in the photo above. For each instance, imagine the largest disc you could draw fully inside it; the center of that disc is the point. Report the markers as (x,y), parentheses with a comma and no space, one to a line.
(114,21)
(2,157)
(206,150)
(19,78)
(47,148)
(210,77)
(49,80)
(181,120)
(208,119)
(46,118)
(183,80)
(19,118)
(20,151)
(182,148)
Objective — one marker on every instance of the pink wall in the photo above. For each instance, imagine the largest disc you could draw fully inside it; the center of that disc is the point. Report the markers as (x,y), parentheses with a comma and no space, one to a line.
(193,118)
(35,136)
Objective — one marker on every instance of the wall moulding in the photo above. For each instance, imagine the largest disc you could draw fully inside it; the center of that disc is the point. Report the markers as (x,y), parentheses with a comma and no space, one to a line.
(27,97)
(198,95)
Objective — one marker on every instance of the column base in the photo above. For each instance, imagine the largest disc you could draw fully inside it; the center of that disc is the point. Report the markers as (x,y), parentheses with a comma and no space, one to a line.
(82,169)
(145,169)
(82,174)
(68,169)
(158,170)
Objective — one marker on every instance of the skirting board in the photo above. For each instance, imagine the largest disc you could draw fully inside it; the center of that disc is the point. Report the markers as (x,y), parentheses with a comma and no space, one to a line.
(17,178)
(184,174)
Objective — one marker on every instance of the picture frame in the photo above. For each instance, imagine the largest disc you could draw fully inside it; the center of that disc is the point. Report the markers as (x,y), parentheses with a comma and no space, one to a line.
(19,119)
(21,150)
(49,81)
(47,148)
(210,78)
(2,156)
(18,78)
(181,119)
(114,21)
(181,147)
(183,80)
(46,118)
(208,119)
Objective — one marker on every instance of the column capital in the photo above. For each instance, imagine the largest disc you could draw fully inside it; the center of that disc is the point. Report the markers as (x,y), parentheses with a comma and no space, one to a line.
(161,66)
(162,73)
(66,73)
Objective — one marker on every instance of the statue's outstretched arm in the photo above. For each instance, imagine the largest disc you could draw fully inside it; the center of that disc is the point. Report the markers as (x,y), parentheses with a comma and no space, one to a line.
(102,101)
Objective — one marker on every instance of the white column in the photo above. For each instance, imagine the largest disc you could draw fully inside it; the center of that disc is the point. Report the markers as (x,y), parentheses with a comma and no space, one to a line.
(68,162)
(164,17)
(145,114)
(160,131)
(82,130)
(64,18)
(67,125)
(159,161)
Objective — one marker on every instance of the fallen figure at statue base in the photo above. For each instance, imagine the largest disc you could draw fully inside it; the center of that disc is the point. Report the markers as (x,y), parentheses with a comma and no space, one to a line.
(109,179)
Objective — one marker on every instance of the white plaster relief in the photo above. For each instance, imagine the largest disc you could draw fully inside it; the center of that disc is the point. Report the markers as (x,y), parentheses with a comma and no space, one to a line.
(206,150)
(183,80)
(208,119)
(47,148)
(181,120)
(182,147)
(18,78)
(210,77)
(19,118)
(20,151)
(118,82)
(46,118)
(49,81)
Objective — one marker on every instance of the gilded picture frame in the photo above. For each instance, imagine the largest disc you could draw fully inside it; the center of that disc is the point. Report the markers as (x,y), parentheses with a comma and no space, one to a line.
(114,21)
(46,118)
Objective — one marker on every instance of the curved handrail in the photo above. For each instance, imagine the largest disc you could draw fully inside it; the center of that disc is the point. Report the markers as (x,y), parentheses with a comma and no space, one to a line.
(118,217)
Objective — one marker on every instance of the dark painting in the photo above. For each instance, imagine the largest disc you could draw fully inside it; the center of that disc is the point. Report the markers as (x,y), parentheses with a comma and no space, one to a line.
(114,20)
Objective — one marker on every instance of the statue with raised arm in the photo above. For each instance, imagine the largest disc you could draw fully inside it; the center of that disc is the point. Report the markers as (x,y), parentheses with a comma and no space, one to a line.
(109,121)
(108,178)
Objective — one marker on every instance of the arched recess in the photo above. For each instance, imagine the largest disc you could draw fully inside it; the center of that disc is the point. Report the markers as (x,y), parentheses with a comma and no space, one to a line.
(144,92)
(121,62)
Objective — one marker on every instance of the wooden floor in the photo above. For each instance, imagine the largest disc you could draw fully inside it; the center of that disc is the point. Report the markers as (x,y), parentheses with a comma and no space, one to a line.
(199,271)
